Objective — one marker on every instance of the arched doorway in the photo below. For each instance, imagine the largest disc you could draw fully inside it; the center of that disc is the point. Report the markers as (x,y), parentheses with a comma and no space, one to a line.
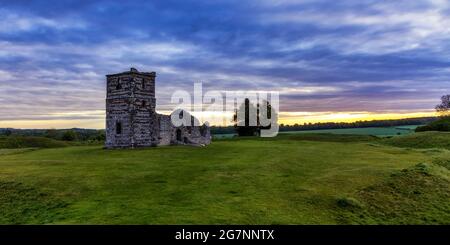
(179,138)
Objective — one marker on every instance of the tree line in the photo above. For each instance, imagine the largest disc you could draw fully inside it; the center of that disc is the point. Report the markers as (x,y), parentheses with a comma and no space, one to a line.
(74,134)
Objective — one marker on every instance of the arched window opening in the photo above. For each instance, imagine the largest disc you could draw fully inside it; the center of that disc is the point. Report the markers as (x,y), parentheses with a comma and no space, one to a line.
(118,128)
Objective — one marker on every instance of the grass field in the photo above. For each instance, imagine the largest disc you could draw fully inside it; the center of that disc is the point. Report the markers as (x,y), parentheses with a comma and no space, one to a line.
(291,179)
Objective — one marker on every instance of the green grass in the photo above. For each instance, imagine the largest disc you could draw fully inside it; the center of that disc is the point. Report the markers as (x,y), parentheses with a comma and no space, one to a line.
(25,204)
(291,179)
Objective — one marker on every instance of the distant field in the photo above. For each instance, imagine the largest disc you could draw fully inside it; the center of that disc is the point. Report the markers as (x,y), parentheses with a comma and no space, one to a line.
(290,179)
(223,136)
(376,131)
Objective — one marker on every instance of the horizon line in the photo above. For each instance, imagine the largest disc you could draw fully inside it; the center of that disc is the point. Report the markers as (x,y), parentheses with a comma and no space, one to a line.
(380,117)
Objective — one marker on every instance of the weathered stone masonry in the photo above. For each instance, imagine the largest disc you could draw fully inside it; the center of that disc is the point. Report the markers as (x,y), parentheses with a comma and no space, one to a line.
(131,118)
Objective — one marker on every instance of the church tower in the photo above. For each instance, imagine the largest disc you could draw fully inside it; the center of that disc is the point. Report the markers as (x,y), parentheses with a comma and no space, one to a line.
(131,119)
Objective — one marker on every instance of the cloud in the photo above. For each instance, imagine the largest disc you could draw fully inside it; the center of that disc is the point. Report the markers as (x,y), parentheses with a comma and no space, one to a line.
(375,56)
(379,27)
(12,22)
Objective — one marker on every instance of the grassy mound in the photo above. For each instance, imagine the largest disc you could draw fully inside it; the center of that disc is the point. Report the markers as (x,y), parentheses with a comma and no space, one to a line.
(13,142)
(442,124)
(421,140)
(418,195)
(23,204)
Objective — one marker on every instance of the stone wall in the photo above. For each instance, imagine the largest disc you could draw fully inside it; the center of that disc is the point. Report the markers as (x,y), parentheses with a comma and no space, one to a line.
(166,130)
(188,135)
(131,118)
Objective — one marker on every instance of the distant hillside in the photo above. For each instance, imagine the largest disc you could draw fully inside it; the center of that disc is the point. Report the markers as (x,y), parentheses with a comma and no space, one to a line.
(57,134)
(12,142)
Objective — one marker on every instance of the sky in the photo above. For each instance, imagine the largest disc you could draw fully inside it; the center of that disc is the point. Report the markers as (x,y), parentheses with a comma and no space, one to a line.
(330,60)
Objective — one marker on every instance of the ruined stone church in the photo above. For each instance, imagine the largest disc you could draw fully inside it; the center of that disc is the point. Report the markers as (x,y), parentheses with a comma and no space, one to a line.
(132,120)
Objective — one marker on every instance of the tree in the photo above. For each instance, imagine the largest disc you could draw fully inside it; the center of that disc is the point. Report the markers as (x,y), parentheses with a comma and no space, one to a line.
(443,108)
(51,133)
(252,123)
(8,132)
(99,136)
(69,135)
(246,129)
(267,116)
